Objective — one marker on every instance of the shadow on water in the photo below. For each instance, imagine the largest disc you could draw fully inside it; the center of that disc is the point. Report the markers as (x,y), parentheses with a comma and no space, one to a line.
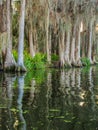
(50,100)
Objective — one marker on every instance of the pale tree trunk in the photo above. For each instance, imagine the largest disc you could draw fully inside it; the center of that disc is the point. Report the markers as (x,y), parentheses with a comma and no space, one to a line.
(61,48)
(31,44)
(67,49)
(78,43)
(21,66)
(9,61)
(47,33)
(89,52)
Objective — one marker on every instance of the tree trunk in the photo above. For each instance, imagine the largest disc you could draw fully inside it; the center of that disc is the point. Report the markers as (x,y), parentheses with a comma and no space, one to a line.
(47,34)
(31,44)
(10,63)
(61,48)
(32,51)
(83,44)
(89,52)
(78,61)
(3,41)
(21,66)
(67,49)
(72,56)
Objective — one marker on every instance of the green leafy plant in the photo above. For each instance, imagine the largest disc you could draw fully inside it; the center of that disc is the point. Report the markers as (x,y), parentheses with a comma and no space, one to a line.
(54,57)
(85,61)
(38,62)
(15,54)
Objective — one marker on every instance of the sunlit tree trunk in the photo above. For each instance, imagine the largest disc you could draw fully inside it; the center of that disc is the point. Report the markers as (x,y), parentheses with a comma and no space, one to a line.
(9,61)
(21,66)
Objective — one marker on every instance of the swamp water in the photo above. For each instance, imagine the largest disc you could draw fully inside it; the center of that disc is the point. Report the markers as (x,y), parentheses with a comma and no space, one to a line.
(50,100)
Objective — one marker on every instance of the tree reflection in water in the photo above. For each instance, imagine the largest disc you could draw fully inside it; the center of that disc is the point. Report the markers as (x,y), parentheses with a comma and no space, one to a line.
(64,99)
(19,101)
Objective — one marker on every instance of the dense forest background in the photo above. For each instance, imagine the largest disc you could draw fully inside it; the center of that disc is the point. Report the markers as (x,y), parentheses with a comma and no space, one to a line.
(52,33)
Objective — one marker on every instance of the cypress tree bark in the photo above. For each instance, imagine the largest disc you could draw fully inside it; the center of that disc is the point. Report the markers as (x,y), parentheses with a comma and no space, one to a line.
(67,49)
(21,66)
(61,48)
(78,43)
(31,43)
(89,53)
(47,33)
(9,64)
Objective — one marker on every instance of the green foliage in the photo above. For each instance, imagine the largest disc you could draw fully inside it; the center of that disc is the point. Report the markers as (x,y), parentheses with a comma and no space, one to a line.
(28,60)
(38,62)
(85,61)
(54,57)
(15,54)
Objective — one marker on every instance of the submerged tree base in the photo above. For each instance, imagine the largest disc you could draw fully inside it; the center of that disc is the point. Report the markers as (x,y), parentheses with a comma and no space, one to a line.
(21,68)
(11,68)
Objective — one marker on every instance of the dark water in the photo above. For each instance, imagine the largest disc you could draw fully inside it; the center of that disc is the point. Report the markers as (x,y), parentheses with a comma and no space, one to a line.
(50,100)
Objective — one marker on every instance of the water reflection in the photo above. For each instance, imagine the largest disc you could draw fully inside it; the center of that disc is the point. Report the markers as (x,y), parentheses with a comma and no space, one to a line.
(32,91)
(50,100)
(19,102)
